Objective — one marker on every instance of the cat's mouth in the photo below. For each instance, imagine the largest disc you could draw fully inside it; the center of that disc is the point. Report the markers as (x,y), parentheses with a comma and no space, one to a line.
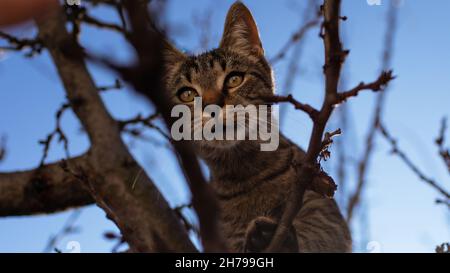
(226,136)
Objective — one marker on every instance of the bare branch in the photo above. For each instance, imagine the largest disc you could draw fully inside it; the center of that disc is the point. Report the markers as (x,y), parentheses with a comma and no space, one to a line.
(326,143)
(47,189)
(443,202)
(378,85)
(334,57)
(145,121)
(86,18)
(68,228)
(310,168)
(308,109)
(56,132)
(444,248)
(2,148)
(440,142)
(35,45)
(402,155)
(296,38)
(364,162)
(146,79)
(139,211)
(117,85)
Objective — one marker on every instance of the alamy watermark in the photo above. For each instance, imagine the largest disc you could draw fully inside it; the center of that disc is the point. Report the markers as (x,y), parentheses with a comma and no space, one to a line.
(231,123)
(73,2)
(374,2)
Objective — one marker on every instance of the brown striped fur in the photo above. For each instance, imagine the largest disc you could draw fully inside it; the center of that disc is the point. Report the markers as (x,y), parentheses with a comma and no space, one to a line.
(249,183)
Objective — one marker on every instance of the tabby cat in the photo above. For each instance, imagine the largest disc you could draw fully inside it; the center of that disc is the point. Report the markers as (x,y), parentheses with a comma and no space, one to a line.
(251,185)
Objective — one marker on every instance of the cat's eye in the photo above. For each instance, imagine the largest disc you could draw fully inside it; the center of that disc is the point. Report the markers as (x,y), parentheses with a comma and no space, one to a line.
(234,79)
(187,94)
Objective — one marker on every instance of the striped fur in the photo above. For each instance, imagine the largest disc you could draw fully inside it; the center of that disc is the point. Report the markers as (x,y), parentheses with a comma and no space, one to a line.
(250,183)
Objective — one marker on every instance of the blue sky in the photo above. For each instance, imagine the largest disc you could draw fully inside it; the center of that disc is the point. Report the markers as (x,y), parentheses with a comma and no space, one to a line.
(401,215)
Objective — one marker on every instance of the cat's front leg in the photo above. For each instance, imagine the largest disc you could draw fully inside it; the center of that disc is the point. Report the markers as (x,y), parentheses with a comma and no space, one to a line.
(260,233)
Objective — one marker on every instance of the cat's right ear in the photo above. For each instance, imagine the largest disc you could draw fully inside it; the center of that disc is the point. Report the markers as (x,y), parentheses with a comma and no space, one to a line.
(240,32)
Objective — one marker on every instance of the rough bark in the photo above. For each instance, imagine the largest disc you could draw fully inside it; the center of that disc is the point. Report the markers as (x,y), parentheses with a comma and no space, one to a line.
(115,180)
(45,190)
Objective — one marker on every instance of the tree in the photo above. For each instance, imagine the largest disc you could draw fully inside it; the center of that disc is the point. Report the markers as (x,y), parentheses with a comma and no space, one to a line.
(109,176)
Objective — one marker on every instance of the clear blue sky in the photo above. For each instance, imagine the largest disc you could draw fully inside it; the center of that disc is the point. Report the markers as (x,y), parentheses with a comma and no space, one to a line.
(401,215)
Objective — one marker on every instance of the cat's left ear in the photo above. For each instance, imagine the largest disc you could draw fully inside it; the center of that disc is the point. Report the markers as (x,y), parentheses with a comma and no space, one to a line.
(241,33)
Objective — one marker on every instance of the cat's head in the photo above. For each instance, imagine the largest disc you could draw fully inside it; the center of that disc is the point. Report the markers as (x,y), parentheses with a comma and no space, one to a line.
(235,73)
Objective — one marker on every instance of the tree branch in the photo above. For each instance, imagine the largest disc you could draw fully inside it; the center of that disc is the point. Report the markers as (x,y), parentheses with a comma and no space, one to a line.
(2,148)
(334,57)
(47,189)
(35,45)
(379,84)
(56,132)
(145,121)
(308,109)
(146,79)
(364,162)
(440,142)
(402,155)
(295,38)
(139,211)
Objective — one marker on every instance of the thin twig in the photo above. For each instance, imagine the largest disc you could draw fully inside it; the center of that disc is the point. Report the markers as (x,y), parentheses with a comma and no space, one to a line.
(326,144)
(145,121)
(378,85)
(117,85)
(68,228)
(334,57)
(443,202)
(56,132)
(440,142)
(146,79)
(295,38)
(308,109)
(364,162)
(443,248)
(35,45)
(2,148)
(402,155)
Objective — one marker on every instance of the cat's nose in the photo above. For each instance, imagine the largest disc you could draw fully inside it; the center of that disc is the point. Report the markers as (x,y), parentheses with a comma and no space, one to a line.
(213,97)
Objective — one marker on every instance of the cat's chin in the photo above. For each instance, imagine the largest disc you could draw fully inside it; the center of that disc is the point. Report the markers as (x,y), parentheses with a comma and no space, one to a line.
(218,144)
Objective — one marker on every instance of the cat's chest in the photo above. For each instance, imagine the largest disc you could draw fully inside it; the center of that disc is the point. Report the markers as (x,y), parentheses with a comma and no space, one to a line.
(266,199)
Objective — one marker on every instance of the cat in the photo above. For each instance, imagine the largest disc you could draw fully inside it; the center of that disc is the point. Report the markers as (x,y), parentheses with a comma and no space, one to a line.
(251,185)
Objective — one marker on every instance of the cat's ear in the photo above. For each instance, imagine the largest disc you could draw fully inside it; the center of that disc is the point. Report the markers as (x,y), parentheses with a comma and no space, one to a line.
(172,57)
(171,54)
(241,33)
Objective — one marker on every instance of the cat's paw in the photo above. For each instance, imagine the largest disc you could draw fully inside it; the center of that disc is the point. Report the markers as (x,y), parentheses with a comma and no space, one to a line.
(260,233)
